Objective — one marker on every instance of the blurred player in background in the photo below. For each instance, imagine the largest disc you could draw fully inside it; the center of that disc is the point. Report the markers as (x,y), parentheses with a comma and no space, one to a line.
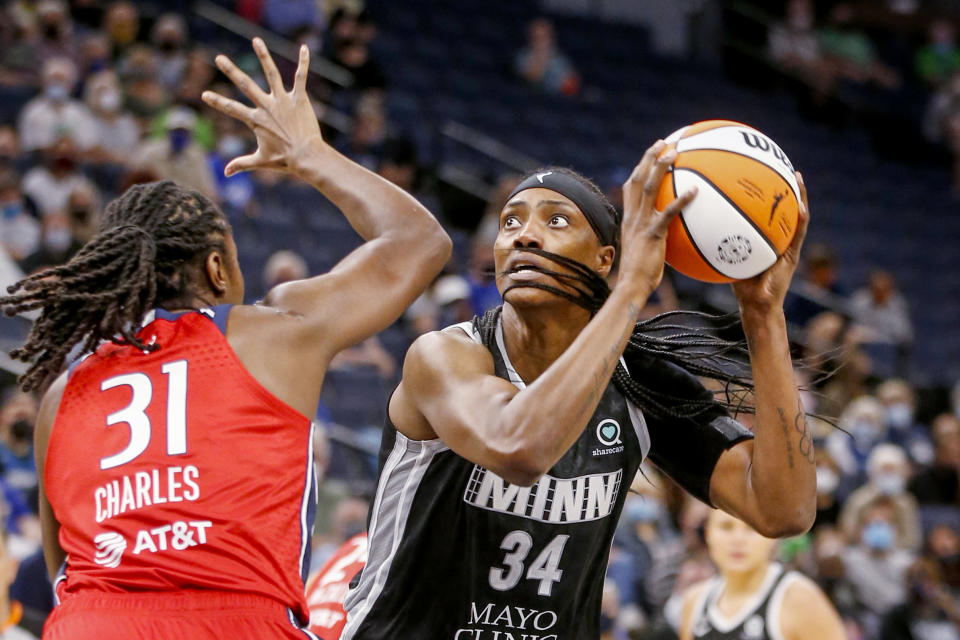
(175,460)
(754,597)
(508,450)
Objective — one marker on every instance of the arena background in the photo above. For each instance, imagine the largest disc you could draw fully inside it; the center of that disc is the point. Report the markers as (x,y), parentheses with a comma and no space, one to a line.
(441,97)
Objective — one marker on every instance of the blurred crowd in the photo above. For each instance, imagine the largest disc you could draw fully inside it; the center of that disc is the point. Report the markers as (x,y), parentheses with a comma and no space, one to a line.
(98,95)
(899,59)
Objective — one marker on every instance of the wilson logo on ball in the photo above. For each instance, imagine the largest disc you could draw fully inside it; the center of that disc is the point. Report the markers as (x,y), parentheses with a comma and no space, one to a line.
(746,209)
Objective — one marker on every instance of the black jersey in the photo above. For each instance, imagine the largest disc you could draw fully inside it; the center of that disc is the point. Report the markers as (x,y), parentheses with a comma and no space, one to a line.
(458,553)
(758,620)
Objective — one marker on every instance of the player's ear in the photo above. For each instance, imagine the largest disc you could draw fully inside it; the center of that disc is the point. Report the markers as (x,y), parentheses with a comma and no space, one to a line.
(215,269)
(604,263)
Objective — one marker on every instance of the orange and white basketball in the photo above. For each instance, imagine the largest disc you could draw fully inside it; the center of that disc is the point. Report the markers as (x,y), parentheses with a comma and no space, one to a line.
(745,213)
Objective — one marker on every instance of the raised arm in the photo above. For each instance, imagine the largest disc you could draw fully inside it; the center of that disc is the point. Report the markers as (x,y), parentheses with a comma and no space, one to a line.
(449,389)
(405,247)
(770,481)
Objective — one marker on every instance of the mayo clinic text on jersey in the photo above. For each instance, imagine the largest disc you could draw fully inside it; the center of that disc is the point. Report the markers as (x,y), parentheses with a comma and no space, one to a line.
(554,500)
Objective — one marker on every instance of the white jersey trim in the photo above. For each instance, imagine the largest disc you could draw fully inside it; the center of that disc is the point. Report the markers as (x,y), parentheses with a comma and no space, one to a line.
(401,477)
(776,604)
(726,625)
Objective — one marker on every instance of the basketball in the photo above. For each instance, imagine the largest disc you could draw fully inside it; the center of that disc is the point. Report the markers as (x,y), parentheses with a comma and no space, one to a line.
(745,213)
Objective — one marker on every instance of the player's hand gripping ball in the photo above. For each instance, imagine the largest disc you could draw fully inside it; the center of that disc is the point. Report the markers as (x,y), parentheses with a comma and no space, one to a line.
(745,213)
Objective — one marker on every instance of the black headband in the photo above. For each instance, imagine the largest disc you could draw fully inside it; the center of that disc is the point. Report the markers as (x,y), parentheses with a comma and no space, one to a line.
(598,214)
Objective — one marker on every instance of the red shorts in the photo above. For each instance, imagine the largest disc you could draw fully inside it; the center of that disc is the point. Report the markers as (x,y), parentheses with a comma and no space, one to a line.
(184,615)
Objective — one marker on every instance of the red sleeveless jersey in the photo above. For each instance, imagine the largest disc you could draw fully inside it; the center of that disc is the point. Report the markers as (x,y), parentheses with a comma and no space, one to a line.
(175,469)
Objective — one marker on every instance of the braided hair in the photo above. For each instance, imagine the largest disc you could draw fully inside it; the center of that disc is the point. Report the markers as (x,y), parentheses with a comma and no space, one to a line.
(152,242)
(690,340)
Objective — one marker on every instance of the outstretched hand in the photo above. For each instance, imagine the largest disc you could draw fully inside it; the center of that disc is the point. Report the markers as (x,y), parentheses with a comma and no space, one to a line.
(283,121)
(768,290)
(643,232)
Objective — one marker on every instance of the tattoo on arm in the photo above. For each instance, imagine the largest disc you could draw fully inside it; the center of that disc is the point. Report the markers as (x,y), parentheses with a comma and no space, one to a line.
(805,446)
(786,435)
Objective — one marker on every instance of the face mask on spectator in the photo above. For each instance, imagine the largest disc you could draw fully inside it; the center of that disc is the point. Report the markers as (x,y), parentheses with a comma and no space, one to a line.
(890,483)
(643,510)
(606,623)
(827,480)
(22,430)
(899,415)
(100,64)
(57,239)
(56,92)
(168,46)
(109,101)
(12,210)
(51,31)
(863,432)
(179,139)
(878,535)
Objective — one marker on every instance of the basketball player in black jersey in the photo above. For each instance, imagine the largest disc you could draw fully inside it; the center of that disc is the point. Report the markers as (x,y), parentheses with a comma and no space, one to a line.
(508,451)
(754,598)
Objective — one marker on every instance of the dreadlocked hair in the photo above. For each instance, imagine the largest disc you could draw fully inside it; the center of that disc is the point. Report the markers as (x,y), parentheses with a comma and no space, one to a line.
(152,240)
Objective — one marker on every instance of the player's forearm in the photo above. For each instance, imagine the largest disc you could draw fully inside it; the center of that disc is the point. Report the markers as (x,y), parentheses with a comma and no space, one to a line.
(782,472)
(373,205)
(572,386)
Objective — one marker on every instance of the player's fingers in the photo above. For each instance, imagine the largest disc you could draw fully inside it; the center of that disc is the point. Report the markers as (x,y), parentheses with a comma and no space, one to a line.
(269,67)
(653,179)
(673,210)
(244,163)
(240,79)
(633,187)
(303,65)
(803,192)
(229,107)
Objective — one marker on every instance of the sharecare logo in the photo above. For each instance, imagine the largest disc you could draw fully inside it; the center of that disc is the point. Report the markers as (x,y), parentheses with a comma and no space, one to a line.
(557,500)
(110,547)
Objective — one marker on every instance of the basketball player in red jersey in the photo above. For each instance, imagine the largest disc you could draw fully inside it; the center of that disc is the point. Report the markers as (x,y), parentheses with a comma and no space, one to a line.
(174,460)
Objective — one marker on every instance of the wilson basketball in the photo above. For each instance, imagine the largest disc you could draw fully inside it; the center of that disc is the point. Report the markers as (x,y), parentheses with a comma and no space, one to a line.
(745,213)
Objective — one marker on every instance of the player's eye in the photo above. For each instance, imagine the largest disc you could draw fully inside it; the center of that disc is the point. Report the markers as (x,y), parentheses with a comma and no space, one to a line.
(559,221)
(511,222)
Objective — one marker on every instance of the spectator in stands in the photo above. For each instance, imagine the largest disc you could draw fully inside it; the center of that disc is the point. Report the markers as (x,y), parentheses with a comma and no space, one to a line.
(236,191)
(348,519)
(897,397)
(818,290)
(930,611)
(850,52)
(354,55)
(873,565)
(177,157)
(939,484)
(18,46)
(94,54)
(446,302)
(145,96)
(793,44)
(49,185)
(882,311)
(83,211)
(54,114)
(863,419)
(118,133)
(17,416)
(368,132)
(286,17)
(940,58)
(284,266)
(542,64)
(943,546)
(9,147)
(11,611)
(56,30)
(169,37)
(400,165)
(647,551)
(19,230)
(887,473)
(121,23)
